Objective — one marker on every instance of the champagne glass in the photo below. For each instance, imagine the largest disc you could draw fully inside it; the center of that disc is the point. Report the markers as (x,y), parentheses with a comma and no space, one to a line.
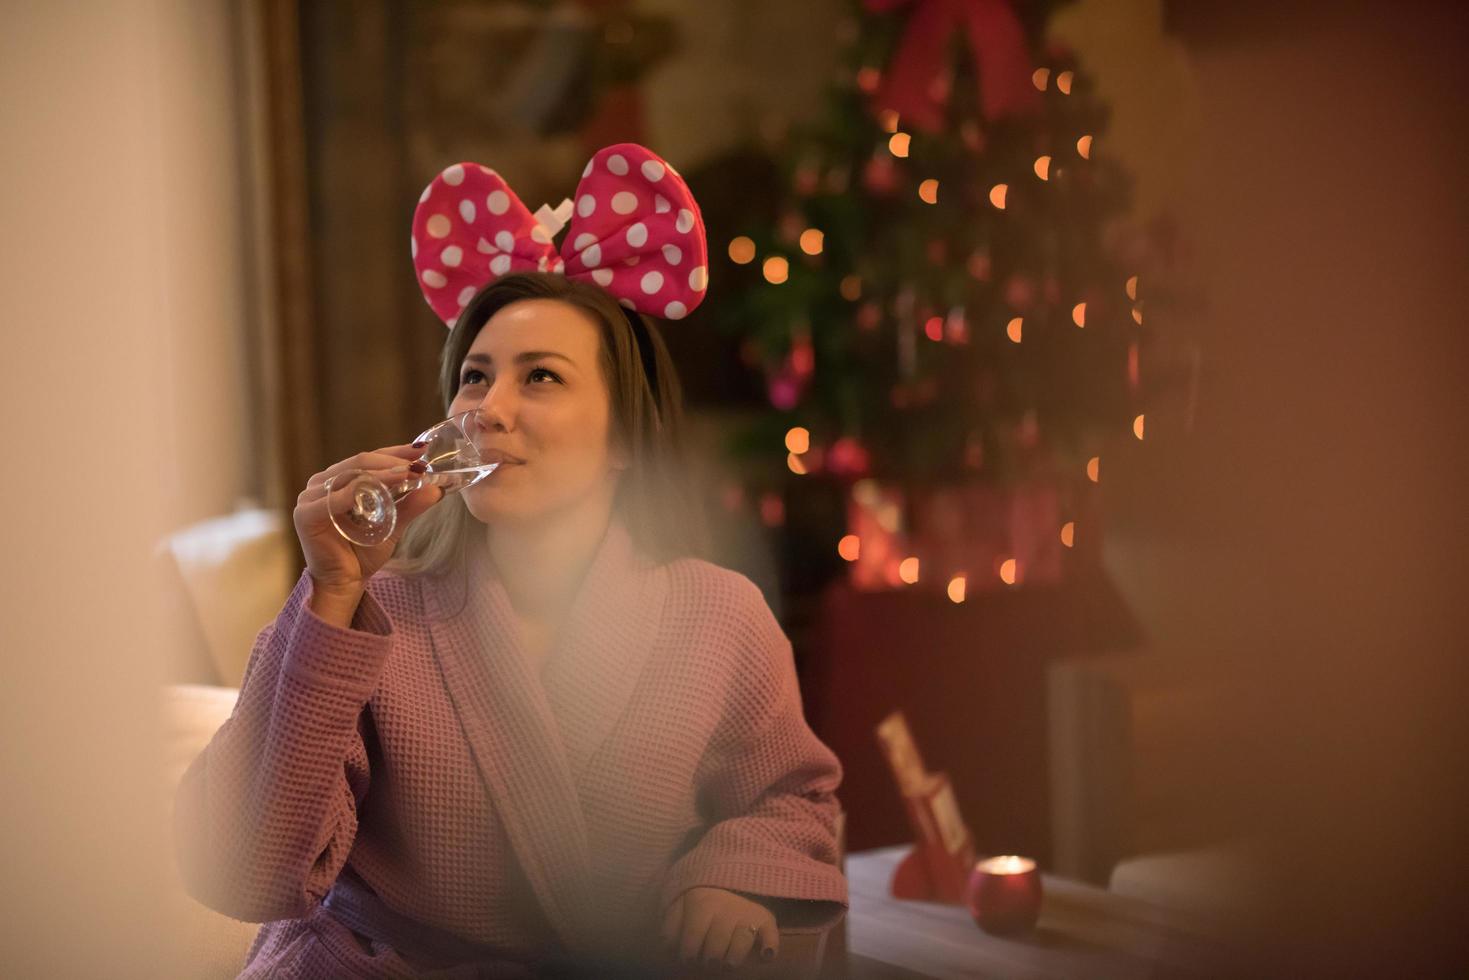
(452,455)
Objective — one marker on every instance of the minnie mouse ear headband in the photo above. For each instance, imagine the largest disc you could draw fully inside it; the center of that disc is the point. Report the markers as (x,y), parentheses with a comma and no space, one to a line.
(635,231)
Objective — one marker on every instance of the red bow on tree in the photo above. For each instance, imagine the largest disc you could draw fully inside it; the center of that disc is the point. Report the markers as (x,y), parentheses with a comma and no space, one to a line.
(1000,57)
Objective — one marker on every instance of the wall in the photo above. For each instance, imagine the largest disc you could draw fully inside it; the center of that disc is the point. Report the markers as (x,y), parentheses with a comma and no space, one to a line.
(123,417)
(1307,532)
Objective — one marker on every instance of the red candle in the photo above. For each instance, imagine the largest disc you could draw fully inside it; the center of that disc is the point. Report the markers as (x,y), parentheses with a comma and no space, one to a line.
(1004,894)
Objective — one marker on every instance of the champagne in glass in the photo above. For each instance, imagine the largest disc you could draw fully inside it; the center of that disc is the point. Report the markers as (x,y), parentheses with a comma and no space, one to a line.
(364,509)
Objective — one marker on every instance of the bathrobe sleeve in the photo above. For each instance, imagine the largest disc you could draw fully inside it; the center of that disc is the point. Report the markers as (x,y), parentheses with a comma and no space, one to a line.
(766,787)
(264,817)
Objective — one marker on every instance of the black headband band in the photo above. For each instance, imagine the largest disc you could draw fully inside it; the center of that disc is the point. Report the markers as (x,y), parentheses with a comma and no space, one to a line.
(644,344)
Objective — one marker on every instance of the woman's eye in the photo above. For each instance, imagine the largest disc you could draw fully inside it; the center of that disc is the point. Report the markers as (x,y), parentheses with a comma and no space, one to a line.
(473,377)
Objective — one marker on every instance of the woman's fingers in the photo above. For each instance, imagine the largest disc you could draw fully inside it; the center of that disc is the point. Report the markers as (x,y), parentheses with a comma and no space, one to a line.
(315,505)
(731,940)
(741,943)
(716,939)
(385,458)
(769,938)
(696,921)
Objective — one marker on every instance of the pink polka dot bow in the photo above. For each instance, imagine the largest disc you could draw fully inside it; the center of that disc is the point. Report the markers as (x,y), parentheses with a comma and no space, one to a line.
(635,231)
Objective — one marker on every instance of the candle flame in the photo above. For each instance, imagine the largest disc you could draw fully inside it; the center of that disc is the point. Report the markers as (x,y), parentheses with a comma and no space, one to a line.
(1006,864)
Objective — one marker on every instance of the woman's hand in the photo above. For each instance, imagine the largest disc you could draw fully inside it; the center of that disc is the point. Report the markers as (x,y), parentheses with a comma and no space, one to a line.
(714,925)
(338,568)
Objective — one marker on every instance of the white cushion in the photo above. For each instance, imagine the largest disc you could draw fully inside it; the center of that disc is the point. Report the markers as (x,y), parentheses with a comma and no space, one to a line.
(1209,884)
(237,571)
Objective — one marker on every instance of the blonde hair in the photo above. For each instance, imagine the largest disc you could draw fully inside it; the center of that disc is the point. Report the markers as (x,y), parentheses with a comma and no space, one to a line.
(654,497)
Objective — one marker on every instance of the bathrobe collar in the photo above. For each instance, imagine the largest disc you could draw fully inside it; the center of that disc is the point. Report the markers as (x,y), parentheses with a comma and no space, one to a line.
(533,732)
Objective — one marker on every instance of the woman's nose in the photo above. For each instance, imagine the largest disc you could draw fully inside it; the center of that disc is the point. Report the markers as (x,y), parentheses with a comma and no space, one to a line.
(498,407)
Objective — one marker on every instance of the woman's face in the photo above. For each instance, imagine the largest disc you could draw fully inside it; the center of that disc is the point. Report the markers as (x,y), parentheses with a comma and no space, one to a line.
(535,371)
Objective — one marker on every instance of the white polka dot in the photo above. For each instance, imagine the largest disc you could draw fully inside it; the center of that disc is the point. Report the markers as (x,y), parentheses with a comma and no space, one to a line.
(454,176)
(637,234)
(558,266)
(652,282)
(587,170)
(413,246)
(603,277)
(685,220)
(675,310)
(466,211)
(486,247)
(451,324)
(452,256)
(583,240)
(653,170)
(498,202)
(617,163)
(438,225)
(627,303)
(541,264)
(624,202)
(592,256)
(699,278)
(485,170)
(500,265)
(632,260)
(660,204)
(504,240)
(466,294)
(426,191)
(586,205)
(542,234)
(434,278)
(672,254)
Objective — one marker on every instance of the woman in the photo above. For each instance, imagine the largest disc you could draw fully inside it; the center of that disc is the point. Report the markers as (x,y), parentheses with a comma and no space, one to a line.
(528,733)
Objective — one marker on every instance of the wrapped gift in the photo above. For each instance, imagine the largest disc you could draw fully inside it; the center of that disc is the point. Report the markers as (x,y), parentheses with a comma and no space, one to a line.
(937,869)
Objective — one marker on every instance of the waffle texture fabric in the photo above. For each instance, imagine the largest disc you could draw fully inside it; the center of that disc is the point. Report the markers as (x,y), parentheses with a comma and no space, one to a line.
(413,797)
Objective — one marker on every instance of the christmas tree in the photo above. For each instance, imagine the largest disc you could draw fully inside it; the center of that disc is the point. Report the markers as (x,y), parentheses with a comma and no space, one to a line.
(936,299)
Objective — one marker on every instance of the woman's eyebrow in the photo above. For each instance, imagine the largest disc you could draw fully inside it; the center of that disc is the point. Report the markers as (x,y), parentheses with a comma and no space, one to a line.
(521,358)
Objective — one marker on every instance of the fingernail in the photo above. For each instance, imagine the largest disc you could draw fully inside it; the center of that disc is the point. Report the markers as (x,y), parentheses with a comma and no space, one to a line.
(418,466)
(767,953)
(420,444)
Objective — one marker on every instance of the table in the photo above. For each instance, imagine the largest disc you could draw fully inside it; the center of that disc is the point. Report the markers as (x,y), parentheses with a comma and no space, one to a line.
(1084,932)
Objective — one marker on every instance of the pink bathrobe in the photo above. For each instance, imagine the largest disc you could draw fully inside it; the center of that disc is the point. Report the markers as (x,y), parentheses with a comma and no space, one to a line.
(412,797)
